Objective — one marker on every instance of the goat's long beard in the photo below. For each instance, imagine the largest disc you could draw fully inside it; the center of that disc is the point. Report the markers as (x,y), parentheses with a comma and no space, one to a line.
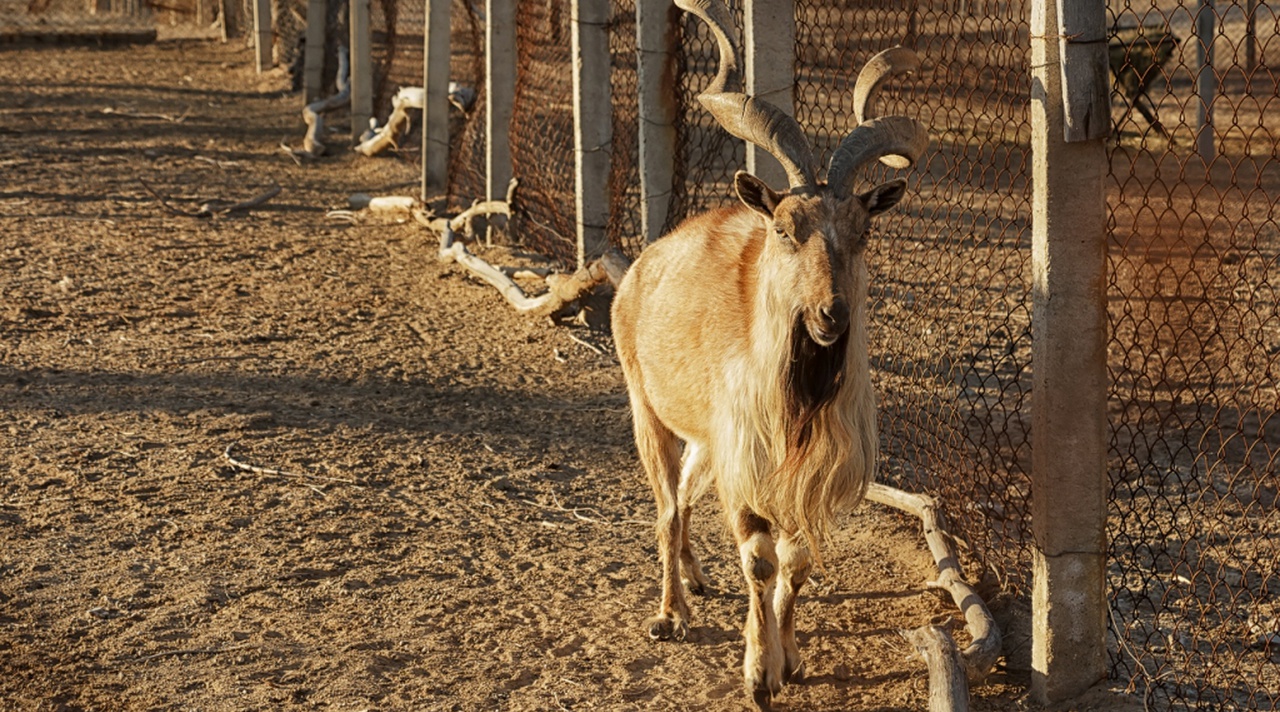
(814,376)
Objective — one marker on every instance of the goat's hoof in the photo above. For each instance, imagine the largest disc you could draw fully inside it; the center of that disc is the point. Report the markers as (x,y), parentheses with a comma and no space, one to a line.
(667,627)
(697,588)
(793,674)
(763,699)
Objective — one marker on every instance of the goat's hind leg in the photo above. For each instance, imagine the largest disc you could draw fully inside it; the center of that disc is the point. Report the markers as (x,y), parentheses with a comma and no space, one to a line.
(694,481)
(660,454)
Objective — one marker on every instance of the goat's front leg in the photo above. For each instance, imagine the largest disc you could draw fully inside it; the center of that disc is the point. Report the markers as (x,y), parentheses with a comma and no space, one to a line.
(794,564)
(763,663)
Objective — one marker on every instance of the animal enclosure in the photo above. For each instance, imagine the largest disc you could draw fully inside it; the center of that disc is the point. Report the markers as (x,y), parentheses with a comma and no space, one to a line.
(1193,238)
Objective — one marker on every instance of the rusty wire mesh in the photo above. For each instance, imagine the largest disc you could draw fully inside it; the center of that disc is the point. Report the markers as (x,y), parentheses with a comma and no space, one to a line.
(950,269)
(1195,339)
(466,118)
(542,131)
(54,19)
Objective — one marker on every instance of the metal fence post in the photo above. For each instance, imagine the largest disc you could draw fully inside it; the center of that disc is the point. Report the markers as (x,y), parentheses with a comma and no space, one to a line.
(500,92)
(1069,341)
(435,101)
(592,125)
(655,77)
(361,68)
(262,34)
(769,32)
(313,69)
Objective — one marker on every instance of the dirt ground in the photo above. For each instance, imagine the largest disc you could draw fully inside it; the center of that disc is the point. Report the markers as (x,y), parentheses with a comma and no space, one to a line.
(463,524)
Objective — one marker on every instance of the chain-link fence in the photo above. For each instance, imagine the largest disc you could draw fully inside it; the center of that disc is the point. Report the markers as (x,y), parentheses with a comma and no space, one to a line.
(1195,340)
(91,19)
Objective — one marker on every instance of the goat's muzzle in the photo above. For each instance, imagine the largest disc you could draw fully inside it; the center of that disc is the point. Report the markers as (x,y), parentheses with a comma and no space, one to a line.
(829,322)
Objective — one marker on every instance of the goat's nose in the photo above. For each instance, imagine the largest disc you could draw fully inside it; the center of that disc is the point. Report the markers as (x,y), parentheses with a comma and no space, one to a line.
(836,315)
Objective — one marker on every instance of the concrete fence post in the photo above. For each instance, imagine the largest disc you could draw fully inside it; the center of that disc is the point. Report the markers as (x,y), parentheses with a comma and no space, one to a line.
(361,68)
(500,92)
(655,77)
(592,125)
(1069,341)
(769,39)
(313,67)
(435,107)
(262,34)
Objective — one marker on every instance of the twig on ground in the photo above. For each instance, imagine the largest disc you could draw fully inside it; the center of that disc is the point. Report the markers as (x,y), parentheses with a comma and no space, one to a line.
(193,651)
(133,115)
(213,208)
(599,351)
(576,513)
(272,472)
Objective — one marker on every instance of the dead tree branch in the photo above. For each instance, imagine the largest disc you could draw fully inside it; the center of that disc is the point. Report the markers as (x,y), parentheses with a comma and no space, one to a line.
(389,134)
(980,656)
(313,113)
(215,208)
(948,688)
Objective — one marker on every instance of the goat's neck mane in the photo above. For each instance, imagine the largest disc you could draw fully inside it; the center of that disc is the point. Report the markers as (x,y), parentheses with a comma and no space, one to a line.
(814,375)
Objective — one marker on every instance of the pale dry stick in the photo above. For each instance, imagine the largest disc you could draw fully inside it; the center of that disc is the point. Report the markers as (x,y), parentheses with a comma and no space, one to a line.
(980,656)
(388,134)
(215,162)
(194,651)
(164,117)
(575,513)
(271,472)
(598,351)
(948,688)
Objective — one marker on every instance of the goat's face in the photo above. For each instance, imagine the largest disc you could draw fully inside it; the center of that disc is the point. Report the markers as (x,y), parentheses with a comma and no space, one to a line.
(815,242)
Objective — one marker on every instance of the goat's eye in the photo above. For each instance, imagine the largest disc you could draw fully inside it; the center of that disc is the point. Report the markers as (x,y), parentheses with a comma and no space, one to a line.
(782,234)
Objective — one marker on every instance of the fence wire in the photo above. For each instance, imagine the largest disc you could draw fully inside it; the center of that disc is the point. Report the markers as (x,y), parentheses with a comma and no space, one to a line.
(466,117)
(950,324)
(1195,336)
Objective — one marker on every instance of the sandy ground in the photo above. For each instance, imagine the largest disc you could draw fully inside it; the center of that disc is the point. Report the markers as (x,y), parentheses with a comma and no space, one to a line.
(461,523)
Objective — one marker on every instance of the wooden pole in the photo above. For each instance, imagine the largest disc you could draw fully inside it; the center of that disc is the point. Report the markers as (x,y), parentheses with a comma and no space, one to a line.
(593,125)
(313,69)
(262,34)
(500,92)
(769,32)
(435,108)
(1206,80)
(361,68)
(229,18)
(1250,37)
(655,76)
(1069,341)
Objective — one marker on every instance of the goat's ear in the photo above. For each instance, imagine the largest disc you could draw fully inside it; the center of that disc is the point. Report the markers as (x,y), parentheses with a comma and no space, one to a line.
(755,194)
(883,196)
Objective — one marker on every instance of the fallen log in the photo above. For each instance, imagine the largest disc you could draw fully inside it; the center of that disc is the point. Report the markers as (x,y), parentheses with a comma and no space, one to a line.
(979,657)
(389,134)
(313,113)
(948,688)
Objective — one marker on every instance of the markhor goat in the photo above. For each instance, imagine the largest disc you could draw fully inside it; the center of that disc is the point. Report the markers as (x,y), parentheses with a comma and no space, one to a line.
(743,334)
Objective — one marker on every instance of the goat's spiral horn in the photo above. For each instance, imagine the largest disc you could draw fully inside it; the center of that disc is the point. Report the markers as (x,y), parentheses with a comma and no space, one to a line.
(747,117)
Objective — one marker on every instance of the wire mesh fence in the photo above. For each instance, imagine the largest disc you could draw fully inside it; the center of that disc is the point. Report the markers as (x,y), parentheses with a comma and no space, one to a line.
(1195,339)
(54,18)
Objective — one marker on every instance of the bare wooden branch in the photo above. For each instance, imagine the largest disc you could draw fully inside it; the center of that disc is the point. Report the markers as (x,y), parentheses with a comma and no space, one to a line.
(389,134)
(980,656)
(948,688)
(272,472)
(213,208)
(313,113)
